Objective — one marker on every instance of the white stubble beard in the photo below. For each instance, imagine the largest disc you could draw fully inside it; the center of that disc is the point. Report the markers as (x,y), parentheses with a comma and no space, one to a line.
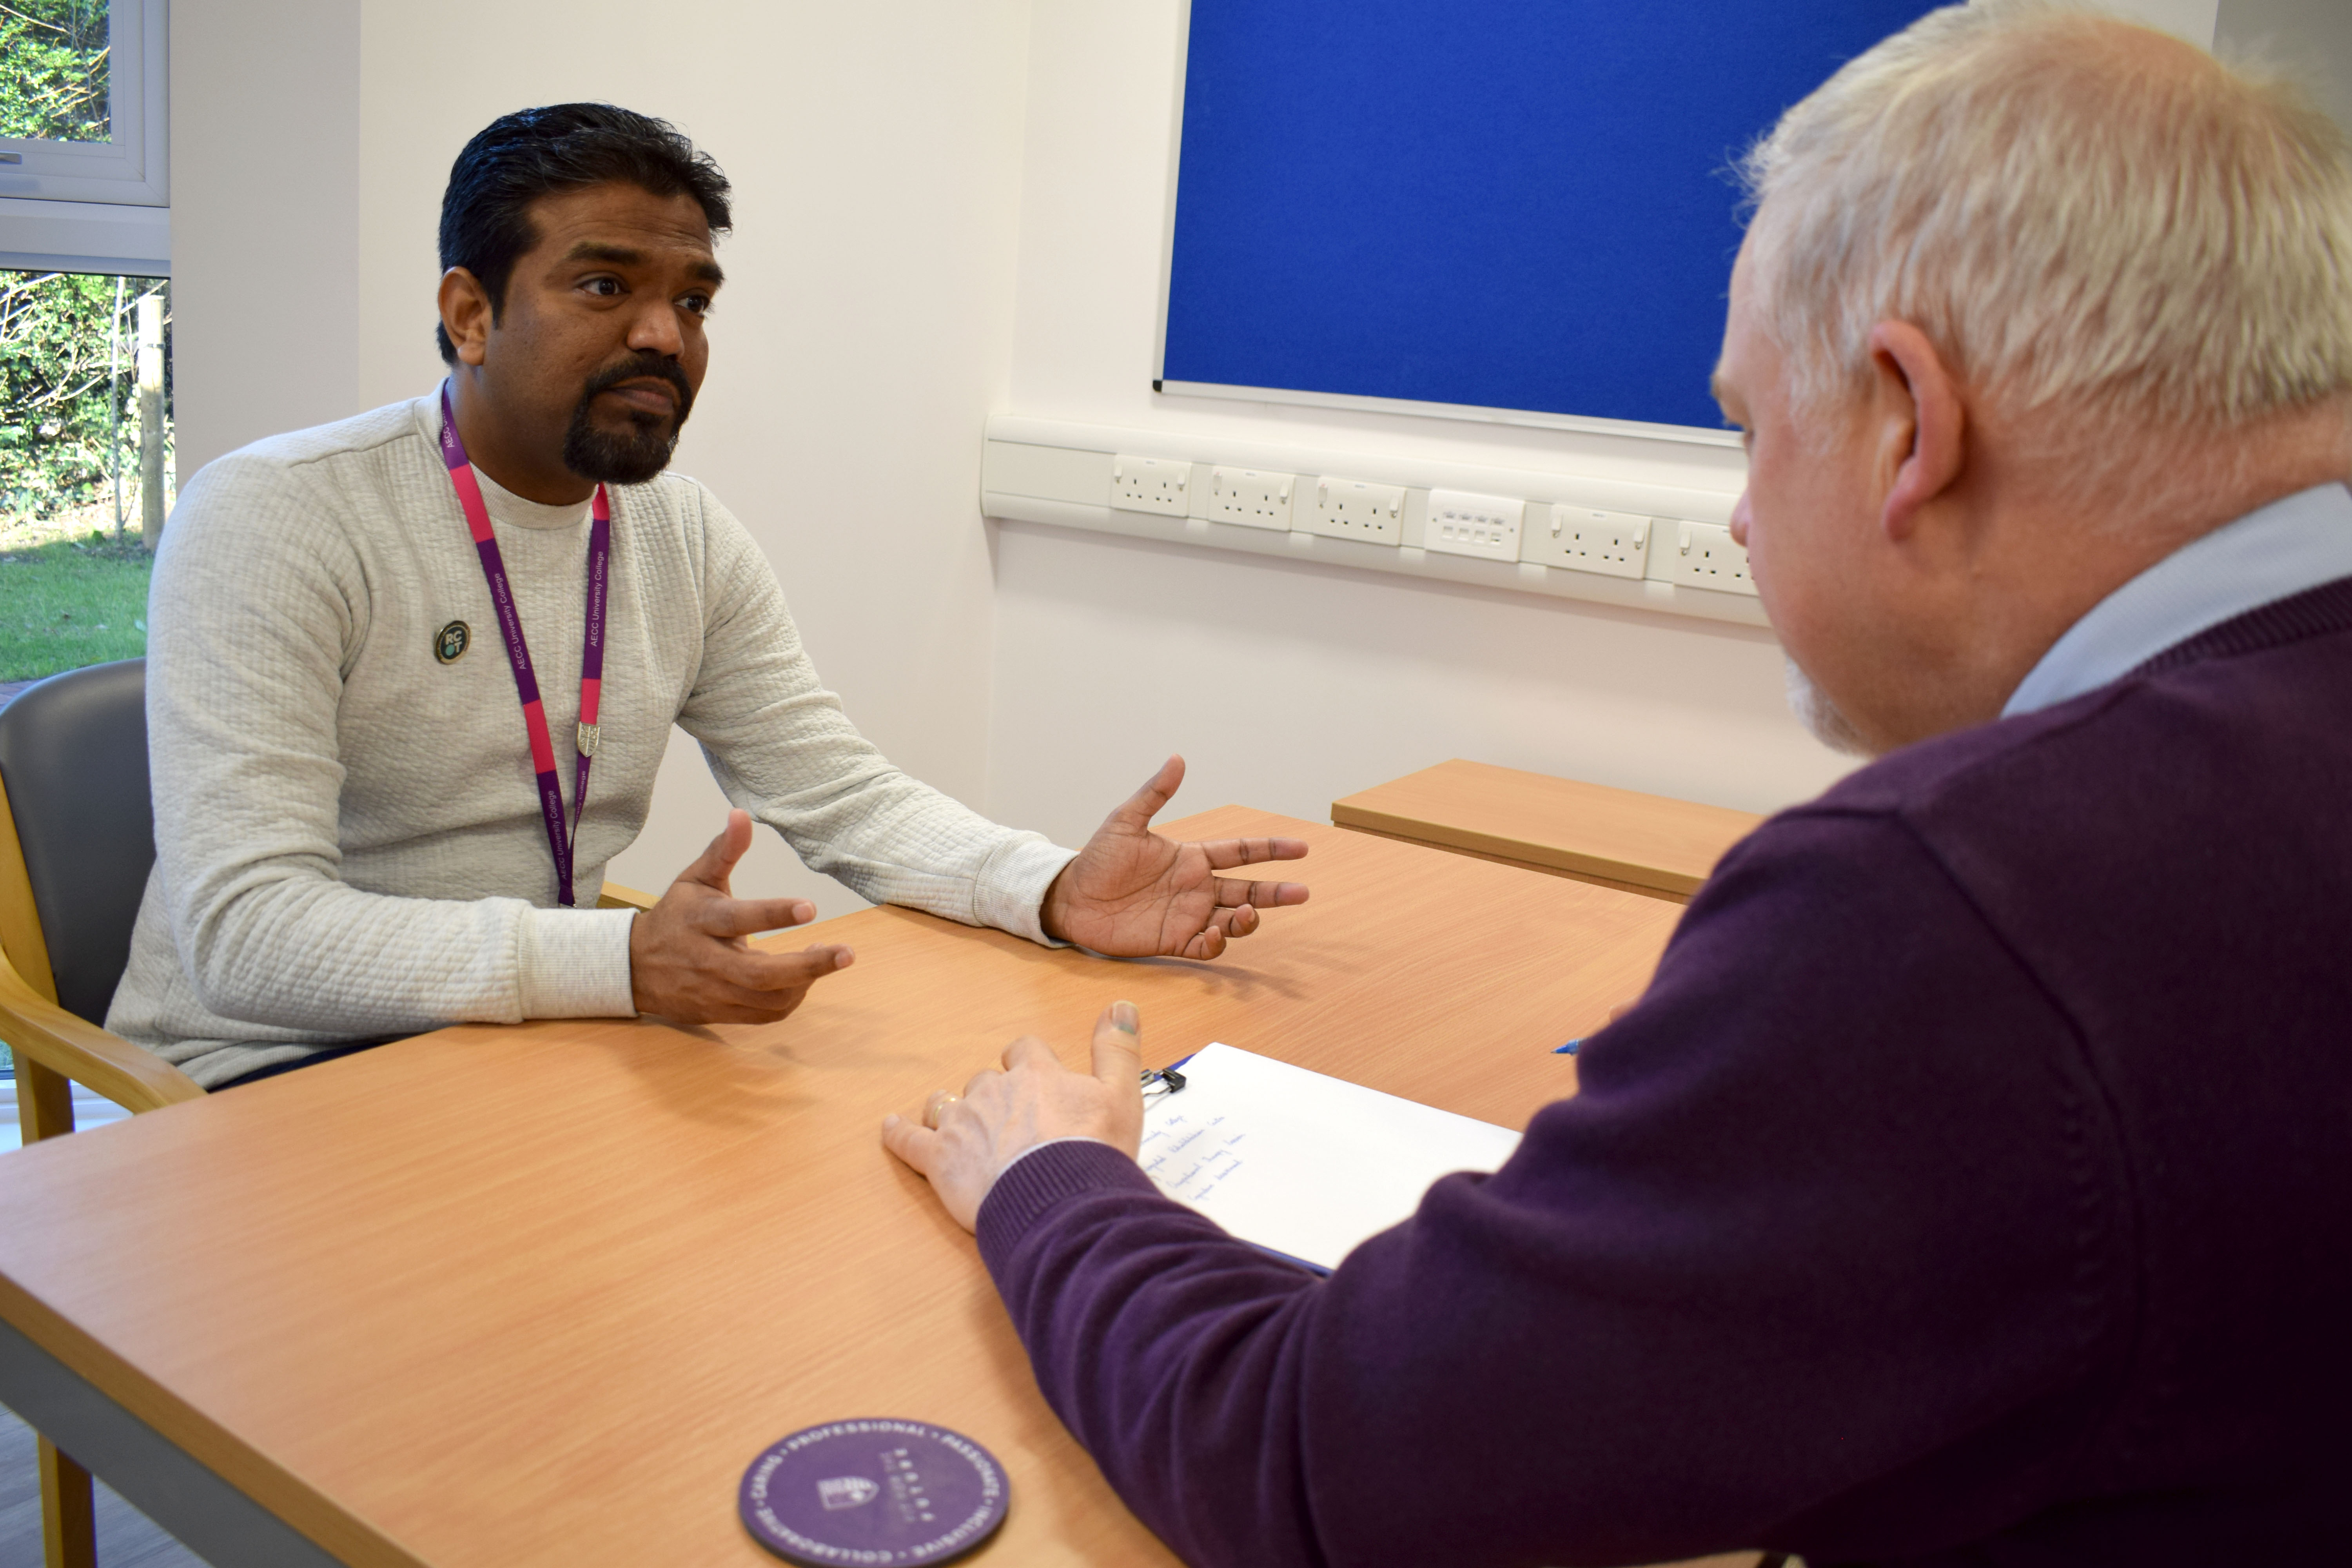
(1825,721)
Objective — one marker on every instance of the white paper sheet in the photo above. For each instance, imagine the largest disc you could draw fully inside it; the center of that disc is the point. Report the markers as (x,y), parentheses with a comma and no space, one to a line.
(1301,1163)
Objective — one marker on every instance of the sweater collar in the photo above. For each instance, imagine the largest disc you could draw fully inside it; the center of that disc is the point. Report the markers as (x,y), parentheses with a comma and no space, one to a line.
(504,506)
(2273,554)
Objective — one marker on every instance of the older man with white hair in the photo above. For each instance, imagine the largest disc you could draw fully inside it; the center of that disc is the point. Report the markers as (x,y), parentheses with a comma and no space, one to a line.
(1974,1182)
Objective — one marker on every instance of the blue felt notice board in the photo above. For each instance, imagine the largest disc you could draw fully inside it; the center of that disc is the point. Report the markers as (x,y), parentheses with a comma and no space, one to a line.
(1519,205)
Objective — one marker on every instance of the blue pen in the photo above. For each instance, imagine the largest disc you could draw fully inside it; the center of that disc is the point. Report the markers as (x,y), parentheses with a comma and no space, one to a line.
(1566,1051)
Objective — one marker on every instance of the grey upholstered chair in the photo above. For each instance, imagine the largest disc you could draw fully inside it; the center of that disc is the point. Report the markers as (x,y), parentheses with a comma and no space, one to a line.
(76,838)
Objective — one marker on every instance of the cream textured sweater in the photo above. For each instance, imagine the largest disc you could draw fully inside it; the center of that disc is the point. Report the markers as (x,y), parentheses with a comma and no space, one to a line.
(346,830)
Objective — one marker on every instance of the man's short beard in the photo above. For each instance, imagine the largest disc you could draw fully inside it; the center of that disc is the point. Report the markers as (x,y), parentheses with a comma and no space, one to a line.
(645,450)
(1827,721)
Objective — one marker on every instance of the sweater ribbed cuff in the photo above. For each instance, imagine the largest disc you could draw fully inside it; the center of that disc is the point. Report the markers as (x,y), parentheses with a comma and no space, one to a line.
(1043,1177)
(576,964)
(1013,885)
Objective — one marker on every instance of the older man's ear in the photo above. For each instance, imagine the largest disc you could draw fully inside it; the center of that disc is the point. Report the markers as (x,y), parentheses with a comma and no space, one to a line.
(1921,424)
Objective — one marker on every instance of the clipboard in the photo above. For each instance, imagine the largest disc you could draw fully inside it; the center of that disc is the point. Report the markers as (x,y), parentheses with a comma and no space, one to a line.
(1298,1163)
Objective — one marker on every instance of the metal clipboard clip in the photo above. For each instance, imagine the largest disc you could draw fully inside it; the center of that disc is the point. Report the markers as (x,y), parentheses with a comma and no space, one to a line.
(1159,1082)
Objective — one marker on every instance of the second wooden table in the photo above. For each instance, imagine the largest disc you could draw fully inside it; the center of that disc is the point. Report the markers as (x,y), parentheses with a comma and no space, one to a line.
(1648,844)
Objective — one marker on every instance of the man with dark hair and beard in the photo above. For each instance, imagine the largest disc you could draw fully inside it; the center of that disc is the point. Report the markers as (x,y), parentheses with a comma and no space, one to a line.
(385,797)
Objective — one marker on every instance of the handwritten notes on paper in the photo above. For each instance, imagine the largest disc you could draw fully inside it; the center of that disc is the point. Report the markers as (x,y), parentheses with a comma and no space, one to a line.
(1300,1164)
(1191,1156)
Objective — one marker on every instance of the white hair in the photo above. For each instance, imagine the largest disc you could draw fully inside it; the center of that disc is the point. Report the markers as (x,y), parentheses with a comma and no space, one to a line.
(2083,215)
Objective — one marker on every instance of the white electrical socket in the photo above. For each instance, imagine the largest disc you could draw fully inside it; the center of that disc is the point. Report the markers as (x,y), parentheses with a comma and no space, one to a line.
(1613,543)
(1460,524)
(1705,557)
(1354,508)
(1151,484)
(1249,498)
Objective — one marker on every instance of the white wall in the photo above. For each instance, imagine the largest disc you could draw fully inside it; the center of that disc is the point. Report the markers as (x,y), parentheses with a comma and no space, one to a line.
(1288,685)
(860,340)
(2313,38)
(2191,19)
(265,227)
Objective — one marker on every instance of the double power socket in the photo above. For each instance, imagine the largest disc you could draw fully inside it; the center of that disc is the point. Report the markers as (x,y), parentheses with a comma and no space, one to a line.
(1452,522)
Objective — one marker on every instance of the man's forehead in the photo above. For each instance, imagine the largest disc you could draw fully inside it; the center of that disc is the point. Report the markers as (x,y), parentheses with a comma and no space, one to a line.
(618,223)
(1731,362)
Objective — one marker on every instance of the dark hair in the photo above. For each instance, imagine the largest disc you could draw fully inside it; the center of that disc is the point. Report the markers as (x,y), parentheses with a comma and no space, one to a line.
(518,158)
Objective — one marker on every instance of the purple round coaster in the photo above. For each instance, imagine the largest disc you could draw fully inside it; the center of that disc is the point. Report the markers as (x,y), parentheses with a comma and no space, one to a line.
(878,1492)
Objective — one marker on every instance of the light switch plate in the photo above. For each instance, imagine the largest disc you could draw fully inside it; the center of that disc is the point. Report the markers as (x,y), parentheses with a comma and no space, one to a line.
(1461,523)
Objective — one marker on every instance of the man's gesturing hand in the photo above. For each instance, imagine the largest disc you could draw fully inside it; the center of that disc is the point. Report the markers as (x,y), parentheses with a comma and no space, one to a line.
(688,956)
(975,1135)
(1133,894)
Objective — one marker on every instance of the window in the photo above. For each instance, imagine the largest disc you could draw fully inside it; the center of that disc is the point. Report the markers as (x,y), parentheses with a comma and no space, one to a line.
(85,141)
(82,105)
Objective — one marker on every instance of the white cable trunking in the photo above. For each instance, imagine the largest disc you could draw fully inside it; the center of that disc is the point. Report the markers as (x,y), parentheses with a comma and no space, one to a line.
(1609,541)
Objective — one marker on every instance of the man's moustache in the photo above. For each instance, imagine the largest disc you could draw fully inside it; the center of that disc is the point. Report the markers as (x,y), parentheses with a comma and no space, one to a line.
(653,368)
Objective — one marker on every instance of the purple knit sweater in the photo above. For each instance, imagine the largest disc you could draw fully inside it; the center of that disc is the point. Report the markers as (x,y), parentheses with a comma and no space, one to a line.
(1973,1184)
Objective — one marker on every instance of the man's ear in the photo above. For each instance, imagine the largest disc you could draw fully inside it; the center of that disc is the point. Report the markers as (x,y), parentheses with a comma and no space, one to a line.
(466,315)
(1919,421)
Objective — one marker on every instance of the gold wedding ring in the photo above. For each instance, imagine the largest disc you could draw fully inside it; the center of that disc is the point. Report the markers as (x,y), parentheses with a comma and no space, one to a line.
(939,1102)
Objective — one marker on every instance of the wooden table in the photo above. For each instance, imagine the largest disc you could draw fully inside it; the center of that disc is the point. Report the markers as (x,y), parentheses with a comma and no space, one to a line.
(500,1297)
(1648,844)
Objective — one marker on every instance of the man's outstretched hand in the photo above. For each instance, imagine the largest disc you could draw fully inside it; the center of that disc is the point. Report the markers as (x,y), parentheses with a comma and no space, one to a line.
(689,958)
(1133,894)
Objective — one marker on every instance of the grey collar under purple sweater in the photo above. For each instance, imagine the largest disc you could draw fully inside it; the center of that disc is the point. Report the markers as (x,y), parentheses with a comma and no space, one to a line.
(1972,1185)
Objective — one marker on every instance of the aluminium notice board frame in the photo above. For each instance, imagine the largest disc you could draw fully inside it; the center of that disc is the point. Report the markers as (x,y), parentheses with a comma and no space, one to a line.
(1517,211)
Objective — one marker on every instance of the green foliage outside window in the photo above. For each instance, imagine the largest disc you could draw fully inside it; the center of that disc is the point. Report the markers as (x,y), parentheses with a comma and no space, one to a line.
(68,397)
(68,418)
(54,84)
(68,386)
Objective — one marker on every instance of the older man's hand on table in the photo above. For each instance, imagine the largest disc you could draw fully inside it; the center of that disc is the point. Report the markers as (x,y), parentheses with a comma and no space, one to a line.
(1133,894)
(965,1142)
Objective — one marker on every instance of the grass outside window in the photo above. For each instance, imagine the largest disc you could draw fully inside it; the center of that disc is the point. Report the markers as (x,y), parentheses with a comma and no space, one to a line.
(68,603)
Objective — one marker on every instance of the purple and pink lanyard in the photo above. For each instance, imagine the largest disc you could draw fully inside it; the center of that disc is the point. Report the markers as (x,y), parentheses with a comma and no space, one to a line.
(592,654)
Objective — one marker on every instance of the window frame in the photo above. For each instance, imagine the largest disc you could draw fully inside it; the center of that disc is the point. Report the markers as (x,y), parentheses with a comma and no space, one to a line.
(132,169)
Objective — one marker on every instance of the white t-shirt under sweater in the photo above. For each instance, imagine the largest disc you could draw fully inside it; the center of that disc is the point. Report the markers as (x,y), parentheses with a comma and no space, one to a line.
(348,835)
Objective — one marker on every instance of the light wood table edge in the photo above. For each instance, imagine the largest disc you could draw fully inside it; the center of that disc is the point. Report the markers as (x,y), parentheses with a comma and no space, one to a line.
(214,1520)
(1651,881)
(331,1531)
(294,1504)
